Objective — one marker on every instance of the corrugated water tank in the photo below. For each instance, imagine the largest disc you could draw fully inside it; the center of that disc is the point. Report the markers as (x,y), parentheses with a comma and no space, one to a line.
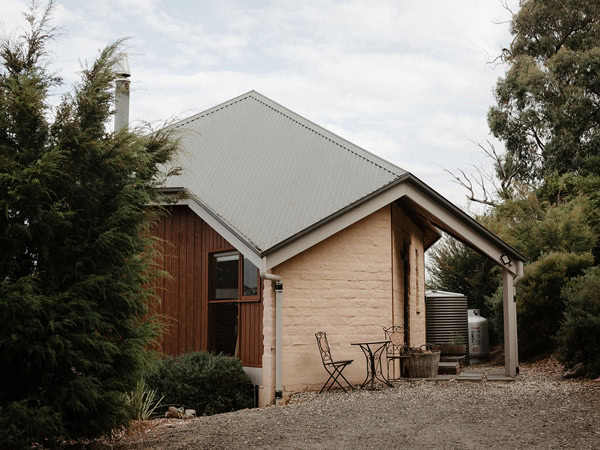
(446,318)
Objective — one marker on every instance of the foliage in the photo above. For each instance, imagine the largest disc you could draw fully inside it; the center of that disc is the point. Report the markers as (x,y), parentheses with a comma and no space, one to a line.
(539,304)
(579,335)
(206,382)
(142,400)
(457,339)
(534,226)
(537,227)
(75,266)
(546,115)
(457,268)
(496,316)
(547,103)
(567,187)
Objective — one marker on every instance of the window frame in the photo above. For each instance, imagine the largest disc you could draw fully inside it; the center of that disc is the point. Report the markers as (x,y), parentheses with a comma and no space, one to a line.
(249,298)
(241,298)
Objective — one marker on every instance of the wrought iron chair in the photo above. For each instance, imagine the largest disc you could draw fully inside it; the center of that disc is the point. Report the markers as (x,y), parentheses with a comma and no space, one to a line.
(333,368)
(396,349)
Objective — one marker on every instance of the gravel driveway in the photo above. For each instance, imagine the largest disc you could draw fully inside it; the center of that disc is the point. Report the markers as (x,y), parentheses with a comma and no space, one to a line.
(539,410)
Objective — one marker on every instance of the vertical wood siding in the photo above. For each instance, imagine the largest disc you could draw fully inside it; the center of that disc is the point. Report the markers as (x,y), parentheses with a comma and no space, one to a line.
(186,247)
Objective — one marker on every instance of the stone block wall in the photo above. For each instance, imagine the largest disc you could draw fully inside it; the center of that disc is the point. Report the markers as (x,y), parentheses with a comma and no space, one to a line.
(351,286)
(342,286)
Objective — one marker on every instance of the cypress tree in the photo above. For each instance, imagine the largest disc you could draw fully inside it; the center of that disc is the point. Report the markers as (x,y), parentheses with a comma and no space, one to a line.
(76,270)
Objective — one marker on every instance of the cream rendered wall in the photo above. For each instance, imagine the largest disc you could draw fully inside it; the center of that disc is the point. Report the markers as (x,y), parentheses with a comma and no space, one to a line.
(398,238)
(408,237)
(266,393)
(351,286)
(342,286)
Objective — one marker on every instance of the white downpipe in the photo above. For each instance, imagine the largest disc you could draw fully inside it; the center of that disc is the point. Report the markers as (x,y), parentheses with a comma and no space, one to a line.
(278,330)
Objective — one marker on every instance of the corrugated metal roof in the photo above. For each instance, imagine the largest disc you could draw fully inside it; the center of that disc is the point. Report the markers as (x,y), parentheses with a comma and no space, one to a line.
(269,173)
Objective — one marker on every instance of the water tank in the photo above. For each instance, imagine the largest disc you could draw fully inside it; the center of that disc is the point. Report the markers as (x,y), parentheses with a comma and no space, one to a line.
(446,318)
(479,344)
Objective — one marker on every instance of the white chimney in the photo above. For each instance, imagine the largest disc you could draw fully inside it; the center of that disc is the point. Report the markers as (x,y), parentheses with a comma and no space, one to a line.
(122,93)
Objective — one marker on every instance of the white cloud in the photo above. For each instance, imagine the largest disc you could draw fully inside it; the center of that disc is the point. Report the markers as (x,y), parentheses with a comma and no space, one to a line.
(405,80)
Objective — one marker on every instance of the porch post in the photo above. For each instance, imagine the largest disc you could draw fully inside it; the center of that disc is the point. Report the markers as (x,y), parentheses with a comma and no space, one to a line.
(510,324)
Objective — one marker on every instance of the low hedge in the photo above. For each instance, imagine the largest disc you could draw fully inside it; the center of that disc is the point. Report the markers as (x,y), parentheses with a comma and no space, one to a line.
(203,381)
(540,307)
(579,335)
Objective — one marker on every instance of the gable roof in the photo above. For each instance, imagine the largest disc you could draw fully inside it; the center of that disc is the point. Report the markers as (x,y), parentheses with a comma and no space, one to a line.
(268,173)
(268,177)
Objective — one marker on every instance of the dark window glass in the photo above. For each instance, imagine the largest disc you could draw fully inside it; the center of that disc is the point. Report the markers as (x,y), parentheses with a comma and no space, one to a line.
(223,328)
(250,279)
(225,276)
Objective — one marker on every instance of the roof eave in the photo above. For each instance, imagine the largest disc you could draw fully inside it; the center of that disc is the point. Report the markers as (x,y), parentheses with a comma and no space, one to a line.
(510,250)
(333,216)
(235,238)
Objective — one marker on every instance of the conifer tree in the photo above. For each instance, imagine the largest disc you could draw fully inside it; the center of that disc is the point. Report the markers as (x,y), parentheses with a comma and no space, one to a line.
(76,255)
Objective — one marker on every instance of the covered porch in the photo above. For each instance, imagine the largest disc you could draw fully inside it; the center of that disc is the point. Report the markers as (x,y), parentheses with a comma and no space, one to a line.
(423,205)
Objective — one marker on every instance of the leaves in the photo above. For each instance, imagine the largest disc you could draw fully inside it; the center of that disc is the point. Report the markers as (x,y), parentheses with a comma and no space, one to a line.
(579,336)
(548,104)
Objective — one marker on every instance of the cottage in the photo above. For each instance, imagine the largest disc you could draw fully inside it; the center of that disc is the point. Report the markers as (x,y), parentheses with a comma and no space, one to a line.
(288,229)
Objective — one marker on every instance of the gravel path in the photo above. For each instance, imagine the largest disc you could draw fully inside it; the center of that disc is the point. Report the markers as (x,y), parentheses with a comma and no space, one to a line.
(539,410)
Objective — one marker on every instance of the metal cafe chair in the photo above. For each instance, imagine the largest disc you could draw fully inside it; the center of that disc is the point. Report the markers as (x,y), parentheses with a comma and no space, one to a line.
(333,368)
(396,349)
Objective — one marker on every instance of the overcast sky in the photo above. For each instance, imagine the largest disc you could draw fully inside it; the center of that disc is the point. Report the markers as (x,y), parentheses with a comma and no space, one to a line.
(406,80)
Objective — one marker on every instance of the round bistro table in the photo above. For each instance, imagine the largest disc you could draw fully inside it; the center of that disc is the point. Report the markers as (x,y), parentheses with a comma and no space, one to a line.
(373,351)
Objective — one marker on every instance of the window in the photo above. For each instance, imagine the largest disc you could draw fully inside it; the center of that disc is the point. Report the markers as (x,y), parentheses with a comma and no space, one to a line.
(251,279)
(225,278)
(233,278)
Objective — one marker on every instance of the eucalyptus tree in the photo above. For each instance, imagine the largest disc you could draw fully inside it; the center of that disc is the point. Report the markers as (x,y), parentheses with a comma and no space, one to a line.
(547,110)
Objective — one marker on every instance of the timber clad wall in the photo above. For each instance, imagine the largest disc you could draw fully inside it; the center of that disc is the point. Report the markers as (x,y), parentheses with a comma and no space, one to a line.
(188,243)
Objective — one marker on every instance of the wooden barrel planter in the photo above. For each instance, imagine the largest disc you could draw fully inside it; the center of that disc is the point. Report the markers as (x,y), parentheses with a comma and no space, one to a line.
(423,363)
(453,349)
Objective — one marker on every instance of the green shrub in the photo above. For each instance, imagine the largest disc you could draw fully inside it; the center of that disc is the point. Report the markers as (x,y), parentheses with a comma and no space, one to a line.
(496,317)
(579,335)
(539,304)
(206,382)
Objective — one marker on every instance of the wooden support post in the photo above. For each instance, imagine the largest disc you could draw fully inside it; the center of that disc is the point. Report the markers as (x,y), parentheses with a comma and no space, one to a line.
(510,324)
